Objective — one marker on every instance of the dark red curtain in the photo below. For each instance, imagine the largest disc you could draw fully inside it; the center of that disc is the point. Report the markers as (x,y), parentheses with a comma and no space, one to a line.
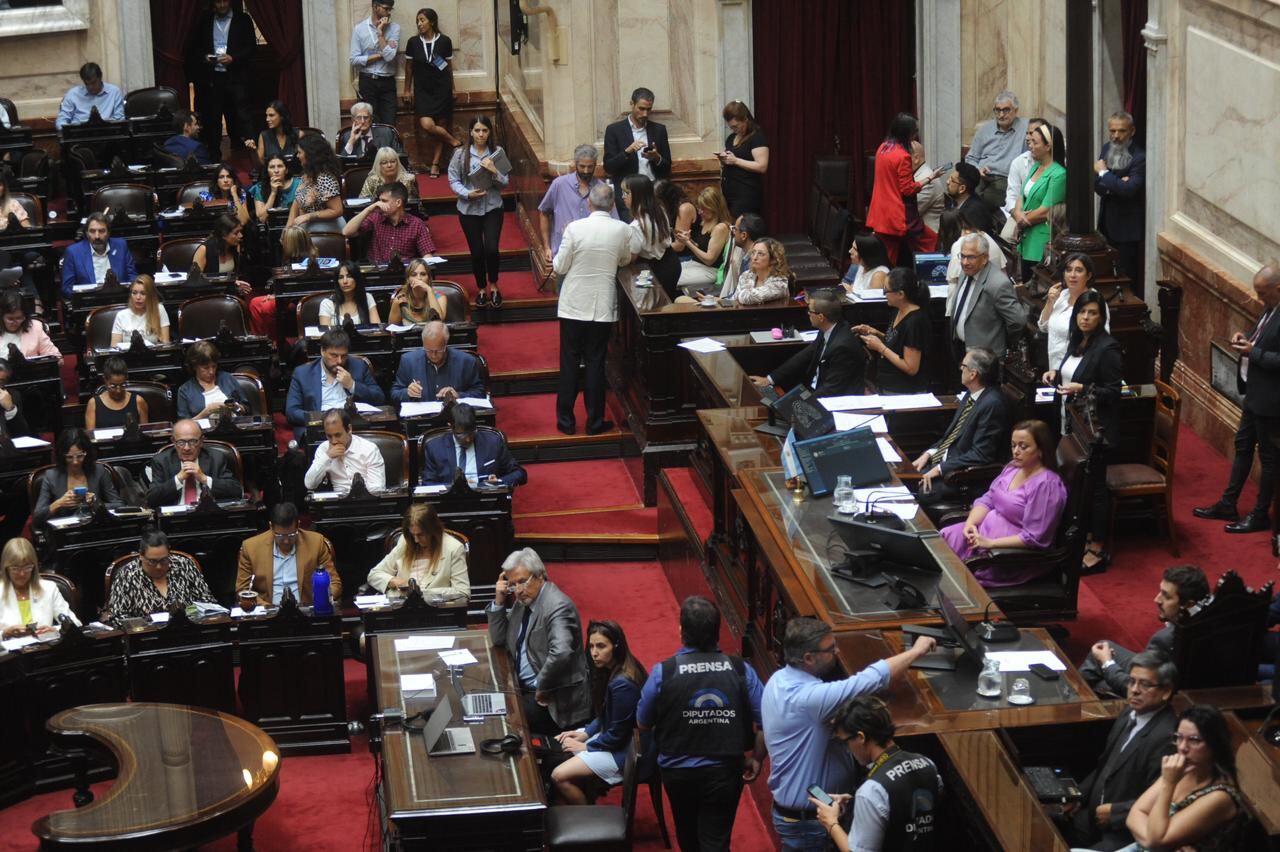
(171,23)
(826,69)
(281,23)
(1133,17)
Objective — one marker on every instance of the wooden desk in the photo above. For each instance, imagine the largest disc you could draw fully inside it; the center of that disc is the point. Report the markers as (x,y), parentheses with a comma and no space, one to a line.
(187,777)
(37,384)
(182,661)
(457,802)
(1258,766)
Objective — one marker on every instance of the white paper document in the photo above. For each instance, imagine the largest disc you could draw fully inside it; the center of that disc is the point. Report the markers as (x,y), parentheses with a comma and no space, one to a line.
(809,335)
(938,291)
(396,328)
(84,288)
(887,452)
(159,618)
(107,434)
(423,643)
(418,685)
(1020,661)
(904,401)
(26,442)
(177,510)
(313,331)
(59,523)
(870,295)
(19,642)
(458,657)
(855,402)
(366,408)
(476,401)
(846,421)
(367,601)
(321,496)
(357,202)
(703,344)
(420,409)
(426,490)
(432,260)
(322,262)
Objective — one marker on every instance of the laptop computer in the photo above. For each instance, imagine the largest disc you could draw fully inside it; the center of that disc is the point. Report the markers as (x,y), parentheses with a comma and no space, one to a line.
(440,738)
(484,704)
(854,453)
(909,548)
(807,416)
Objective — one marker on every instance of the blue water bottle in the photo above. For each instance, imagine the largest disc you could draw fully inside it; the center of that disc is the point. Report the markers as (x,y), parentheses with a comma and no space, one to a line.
(320,603)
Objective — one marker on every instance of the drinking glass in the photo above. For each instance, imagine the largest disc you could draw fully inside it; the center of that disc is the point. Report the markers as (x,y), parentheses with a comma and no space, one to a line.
(842,496)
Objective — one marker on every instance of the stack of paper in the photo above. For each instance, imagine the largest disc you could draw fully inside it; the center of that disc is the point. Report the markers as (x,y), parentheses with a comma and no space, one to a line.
(426,490)
(421,686)
(868,295)
(703,344)
(904,401)
(366,408)
(854,402)
(476,401)
(938,291)
(423,643)
(887,452)
(420,409)
(367,601)
(846,421)
(1020,661)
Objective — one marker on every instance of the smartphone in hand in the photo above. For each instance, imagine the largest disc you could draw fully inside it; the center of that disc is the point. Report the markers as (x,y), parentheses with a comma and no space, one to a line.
(820,794)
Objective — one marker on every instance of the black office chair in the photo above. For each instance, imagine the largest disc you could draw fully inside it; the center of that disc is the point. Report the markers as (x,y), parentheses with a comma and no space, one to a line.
(142,103)
(176,254)
(159,398)
(136,199)
(98,325)
(353,181)
(395,454)
(598,828)
(203,316)
(253,390)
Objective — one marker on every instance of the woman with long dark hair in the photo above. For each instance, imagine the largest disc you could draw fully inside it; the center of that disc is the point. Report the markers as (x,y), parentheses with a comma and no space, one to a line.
(279,190)
(349,299)
(903,346)
(1045,186)
(75,465)
(23,330)
(868,265)
(1075,277)
(1093,364)
(599,750)
(649,220)
(428,85)
(317,206)
(279,138)
(416,300)
(479,194)
(226,186)
(743,162)
(894,179)
(680,212)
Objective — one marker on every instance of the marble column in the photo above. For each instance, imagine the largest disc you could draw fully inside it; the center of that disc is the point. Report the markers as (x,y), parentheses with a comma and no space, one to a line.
(139,69)
(736,79)
(938,70)
(1156,40)
(323,63)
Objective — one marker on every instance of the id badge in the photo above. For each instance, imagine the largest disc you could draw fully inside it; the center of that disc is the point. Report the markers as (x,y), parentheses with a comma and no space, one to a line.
(440,62)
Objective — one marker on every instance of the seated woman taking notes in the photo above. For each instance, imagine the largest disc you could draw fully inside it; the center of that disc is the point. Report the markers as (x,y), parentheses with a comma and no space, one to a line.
(425,553)
(1021,509)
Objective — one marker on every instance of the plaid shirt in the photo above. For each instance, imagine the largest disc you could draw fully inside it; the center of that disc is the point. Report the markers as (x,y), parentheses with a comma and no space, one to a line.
(409,239)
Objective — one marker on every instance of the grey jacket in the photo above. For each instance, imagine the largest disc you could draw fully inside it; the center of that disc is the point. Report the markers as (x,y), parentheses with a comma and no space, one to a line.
(996,319)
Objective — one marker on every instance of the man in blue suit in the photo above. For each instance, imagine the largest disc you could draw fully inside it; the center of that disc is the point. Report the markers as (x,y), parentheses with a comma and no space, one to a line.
(1120,180)
(87,261)
(437,372)
(482,457)
(329,381)
(186,139)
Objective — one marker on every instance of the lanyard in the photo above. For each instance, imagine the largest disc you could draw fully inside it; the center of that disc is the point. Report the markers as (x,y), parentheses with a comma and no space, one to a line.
(880,761)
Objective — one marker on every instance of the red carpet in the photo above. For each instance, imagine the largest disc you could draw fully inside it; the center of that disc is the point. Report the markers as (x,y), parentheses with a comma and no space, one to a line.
(559,486)
(534,416)
(691,499)
(437,189)
(520,347)
(616,522)
(447,233)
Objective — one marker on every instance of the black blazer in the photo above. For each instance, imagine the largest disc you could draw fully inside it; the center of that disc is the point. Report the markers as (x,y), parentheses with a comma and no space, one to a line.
(619,164)
(984,436)
(162,491)
(1122,208)
(844,365)
(1100,371)
(1262,391)
(241,43)
(1124,780)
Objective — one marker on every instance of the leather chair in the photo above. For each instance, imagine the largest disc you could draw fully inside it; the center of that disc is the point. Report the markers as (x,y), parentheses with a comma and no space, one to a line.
(11,109)
(598,828)
(308,310)
(353,181)
(393,538)
(204,315)
(67,588)
(1221,645)
(34,164)
(398,142)
(141,103)
(83,158)
(431,434)
(136,199)
(230,455)
(97,326)
(176,254)
(31,204)
(120,561)
(330,245)
(457,304)
(395,454)
(1138,482)
(251,386)
(162,159)
(190,192)
(161,407)
(33,480)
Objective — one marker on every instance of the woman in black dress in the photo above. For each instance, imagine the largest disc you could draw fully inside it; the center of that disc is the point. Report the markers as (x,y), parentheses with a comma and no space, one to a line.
(110,409)
(428,84)
(903,346)
(743,162)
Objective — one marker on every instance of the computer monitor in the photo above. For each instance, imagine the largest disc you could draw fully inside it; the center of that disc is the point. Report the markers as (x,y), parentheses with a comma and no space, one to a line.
(961,629)
(932,268)
(908,548)
(801,409)
(853,453)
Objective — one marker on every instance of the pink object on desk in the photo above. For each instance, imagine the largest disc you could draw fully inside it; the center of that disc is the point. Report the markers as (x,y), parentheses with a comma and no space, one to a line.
(776,333)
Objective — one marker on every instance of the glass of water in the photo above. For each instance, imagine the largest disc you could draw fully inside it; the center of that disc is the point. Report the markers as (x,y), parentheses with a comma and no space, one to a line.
(843,495)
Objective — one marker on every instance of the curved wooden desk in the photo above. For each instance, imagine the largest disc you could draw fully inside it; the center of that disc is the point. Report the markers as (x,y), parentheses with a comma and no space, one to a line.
(187,776)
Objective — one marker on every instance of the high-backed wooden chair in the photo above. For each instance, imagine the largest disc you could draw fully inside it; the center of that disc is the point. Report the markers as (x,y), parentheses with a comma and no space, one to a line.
(67,588)
(457,305)
(253,390)
(146,102)
(308,310)
(1154,480)
(161,406)
(1221,645)
(190,192)
(176,254)
(395,454)
(120,561)
(135,199)
(31,204)
(203,316)
(98,325)
(330,245)
(353,181)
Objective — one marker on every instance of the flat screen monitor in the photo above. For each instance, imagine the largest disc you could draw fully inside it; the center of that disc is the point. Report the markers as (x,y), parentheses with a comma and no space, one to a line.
(852,453)
(800,408)
(909,548)
(961,629)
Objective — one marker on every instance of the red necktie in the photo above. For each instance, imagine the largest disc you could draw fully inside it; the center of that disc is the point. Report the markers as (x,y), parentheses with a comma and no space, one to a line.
(189,494)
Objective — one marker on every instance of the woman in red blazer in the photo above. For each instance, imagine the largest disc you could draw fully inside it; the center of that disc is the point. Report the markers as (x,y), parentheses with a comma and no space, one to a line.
(887,215)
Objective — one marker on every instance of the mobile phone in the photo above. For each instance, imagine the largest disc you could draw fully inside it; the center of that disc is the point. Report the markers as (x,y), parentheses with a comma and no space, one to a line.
(1042,671)
(651,147)
(946,167)
(820,794)
(32,628)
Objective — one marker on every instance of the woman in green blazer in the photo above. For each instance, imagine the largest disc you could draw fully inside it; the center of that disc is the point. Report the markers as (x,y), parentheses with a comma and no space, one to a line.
(1044,187)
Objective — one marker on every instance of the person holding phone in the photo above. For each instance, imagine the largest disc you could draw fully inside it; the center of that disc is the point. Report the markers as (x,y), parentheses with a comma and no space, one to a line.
(28,605)
(75,480)
(374,43)
(636,146)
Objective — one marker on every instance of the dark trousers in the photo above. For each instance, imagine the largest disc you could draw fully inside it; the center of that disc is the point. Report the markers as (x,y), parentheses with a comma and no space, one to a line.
(1261,432)
(582,341)
(538,717)
(221,98)
(379,93)
(1130,262)
(704,802)
(483,233)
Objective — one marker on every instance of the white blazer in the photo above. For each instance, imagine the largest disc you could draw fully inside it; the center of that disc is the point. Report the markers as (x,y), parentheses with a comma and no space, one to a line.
(46,606)
(591,250)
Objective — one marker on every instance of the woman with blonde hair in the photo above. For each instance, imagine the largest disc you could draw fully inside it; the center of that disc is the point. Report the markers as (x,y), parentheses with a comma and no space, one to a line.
(296,245)
(767,277)
(426,554)
(387,168)
(710,243)
(416,300)
(24,599)
(143,313)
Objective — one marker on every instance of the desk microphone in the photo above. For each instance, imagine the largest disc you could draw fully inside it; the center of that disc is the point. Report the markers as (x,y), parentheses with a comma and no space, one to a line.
(994,632)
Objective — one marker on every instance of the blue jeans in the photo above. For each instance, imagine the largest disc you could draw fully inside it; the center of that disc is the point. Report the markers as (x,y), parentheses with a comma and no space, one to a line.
(801,836)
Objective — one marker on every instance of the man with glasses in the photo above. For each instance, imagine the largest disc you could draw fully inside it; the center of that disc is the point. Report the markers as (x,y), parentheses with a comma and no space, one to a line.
(798,699)
(986,311)
(995,144)
(343,455)
(437,372)
(285,557)
(1130,762)
(329,382)
(180,473)
(155,581)
(834,364)
(481,457)
(374,43)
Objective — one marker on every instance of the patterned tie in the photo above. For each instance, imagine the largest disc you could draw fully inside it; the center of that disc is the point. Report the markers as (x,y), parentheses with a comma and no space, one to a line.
(955,430)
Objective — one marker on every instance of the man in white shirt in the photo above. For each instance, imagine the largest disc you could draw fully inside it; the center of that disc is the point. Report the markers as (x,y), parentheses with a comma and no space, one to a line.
(591,250)
(344,455)
(636,145)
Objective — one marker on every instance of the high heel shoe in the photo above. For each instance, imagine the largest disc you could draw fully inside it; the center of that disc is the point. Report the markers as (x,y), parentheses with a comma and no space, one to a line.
(1099,567)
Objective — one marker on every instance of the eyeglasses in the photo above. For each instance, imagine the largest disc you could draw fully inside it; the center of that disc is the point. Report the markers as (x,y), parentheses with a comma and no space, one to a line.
(285,536)
(964,256)
(520,584)
(1138,683)
(162,562)
(964,366)
(26,568)
(187,442)
(845,738)
(830,649)
(1192,740)
(439,351)
(1002,110)
(114,386)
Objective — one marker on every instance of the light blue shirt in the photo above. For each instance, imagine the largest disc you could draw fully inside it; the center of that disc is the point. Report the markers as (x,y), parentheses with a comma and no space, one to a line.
(795,708)
(469,466)
(528,677)
(332,394)
(77,103)
(461,185)
(364,43)
(284,573)
(221,27)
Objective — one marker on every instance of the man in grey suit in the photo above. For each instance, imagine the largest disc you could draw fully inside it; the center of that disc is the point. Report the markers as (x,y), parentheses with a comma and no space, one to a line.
(986,313)
(543,634)
(1130,762)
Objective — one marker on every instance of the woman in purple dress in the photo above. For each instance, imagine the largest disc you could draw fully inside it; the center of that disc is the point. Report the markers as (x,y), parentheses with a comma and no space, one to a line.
(1020,509)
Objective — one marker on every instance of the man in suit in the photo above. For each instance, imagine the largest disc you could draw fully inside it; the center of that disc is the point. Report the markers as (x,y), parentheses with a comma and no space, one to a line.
(180,473)
(87,261)
(329,381)
(437,372)
(1183,590)
(543,634)
(1258,380)
(591,250)
(987,313)
(636,145)
(1120,182)
(362,139)
(185,141)
(1130,762)
(219,62)
(834,364)
(285,557)
(962,188)
(978,433)
(482,457)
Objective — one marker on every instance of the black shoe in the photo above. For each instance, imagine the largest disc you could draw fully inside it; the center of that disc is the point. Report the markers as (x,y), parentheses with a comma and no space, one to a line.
(1099,567)
(566,430)
(1250,523)
(1219,511)
(605,426)
(496,299)
(482,299)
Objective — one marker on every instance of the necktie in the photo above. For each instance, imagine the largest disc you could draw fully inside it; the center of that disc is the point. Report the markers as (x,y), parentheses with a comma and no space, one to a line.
(462,461)
(1116,752)
(189,494)
(1253,338)
(524,628)
(957,317)
(954,434)
(817,363)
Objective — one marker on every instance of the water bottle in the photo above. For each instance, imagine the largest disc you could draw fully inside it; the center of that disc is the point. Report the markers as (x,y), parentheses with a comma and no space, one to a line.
(842,496)
(320,603)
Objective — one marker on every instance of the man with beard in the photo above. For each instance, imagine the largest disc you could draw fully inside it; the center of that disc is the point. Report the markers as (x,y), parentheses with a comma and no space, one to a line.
(1121,173)
(87,261)
(566,199)
(796,705)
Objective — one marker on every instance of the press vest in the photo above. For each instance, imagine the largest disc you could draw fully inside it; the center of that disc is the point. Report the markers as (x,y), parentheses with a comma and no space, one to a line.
(911,780)
(703,707)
